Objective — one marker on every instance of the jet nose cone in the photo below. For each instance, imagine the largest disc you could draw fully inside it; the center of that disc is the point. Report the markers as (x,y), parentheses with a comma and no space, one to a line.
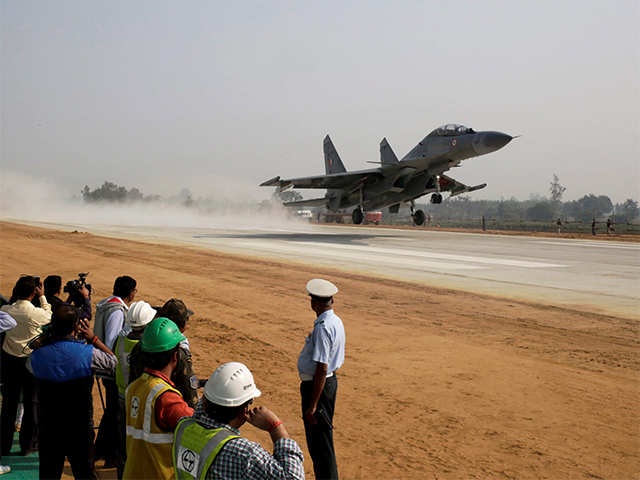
(487,142)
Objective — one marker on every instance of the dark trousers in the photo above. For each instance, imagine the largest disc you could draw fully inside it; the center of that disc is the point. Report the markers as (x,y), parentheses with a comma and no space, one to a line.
(65,428)
(122,432)
(320,435)
(56,445)
(107,441)
(17,379)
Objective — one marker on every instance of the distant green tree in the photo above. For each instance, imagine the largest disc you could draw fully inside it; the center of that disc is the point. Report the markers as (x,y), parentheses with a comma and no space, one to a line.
(510,210)
(541,212)
(186,197)
(628,210)
(588,207)
(556,189)
(110,192)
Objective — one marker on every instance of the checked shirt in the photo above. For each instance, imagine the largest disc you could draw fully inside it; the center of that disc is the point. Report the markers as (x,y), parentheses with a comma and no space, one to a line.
(243,459)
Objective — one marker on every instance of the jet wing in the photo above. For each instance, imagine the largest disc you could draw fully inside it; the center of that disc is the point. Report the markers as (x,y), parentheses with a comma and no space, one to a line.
(311,202)
(335,180)
(455,187)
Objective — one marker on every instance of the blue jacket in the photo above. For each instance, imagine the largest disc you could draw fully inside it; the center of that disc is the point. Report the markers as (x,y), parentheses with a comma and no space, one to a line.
(62,361)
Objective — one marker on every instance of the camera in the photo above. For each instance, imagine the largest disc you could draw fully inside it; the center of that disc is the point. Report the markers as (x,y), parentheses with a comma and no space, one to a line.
(72,287)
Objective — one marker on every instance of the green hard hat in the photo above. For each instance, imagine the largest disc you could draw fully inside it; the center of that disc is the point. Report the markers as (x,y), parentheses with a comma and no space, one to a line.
(160,335)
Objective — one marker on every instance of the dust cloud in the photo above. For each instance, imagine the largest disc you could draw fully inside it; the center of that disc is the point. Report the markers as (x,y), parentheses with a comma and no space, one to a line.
(29,199)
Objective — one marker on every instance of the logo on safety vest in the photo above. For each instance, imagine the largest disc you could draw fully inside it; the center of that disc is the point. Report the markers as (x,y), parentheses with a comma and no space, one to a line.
(188,460)
(135,407)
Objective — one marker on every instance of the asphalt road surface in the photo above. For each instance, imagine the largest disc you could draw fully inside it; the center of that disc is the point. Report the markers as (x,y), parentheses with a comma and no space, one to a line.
(588,275)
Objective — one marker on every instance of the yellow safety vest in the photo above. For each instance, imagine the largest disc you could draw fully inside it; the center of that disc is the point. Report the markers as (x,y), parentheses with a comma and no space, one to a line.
(196,447)
(148,446)
(123,349)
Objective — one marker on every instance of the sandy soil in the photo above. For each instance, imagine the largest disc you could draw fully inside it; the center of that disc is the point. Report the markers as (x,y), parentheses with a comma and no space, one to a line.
(436,384)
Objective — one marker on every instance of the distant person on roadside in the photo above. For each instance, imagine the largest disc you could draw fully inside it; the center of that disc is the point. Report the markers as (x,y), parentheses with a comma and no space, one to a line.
(208,445)
(153,405)
(139,315)
(321,356)
(16,379)
(593,227)
(64,369)
(110,314)
(559,225)
(183,377)
(7,322)
(610,228)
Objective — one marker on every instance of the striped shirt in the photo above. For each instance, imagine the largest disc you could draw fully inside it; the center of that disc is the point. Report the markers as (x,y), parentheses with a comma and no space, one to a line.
(243,459)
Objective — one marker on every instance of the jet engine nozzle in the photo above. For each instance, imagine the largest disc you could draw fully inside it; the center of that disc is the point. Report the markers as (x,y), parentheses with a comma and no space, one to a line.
(487,142)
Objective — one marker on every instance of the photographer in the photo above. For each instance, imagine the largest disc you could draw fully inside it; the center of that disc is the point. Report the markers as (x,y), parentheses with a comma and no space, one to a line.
(79,293)
(15,376)
(64,369)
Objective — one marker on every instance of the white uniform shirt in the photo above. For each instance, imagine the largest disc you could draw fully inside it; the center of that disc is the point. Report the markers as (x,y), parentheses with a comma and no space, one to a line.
(325,344)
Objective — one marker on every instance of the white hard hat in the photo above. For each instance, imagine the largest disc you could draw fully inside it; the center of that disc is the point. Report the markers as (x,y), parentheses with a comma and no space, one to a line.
(231,385)
(139,314)
(319,287)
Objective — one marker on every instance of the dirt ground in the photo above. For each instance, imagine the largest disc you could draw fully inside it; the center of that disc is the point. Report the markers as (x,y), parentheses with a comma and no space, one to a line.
(436,383)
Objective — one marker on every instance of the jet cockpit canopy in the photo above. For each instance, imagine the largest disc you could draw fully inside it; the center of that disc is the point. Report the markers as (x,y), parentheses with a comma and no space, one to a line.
(451,130)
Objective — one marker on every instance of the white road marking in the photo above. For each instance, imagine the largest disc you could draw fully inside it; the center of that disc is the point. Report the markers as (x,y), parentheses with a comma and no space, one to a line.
(410,258)
(440,256)
(587,243)
(326,251)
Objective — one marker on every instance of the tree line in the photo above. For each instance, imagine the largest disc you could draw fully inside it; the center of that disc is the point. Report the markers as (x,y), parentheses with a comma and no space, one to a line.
(540,209)
(462,207)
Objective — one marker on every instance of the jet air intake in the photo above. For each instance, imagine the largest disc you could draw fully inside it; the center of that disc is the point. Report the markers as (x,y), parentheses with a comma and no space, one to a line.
(402,179)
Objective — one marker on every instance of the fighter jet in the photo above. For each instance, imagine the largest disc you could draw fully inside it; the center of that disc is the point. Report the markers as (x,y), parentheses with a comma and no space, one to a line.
(419,172)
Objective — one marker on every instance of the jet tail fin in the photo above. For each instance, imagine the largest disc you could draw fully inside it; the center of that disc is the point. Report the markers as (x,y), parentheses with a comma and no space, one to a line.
(387,156)
(332,161)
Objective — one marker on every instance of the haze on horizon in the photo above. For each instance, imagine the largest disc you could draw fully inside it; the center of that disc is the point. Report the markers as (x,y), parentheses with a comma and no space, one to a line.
(218,97)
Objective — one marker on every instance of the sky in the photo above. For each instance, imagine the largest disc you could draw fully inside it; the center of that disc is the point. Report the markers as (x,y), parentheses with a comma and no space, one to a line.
(220,96)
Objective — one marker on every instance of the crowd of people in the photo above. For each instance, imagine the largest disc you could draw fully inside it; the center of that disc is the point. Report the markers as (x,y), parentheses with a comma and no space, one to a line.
(154,422)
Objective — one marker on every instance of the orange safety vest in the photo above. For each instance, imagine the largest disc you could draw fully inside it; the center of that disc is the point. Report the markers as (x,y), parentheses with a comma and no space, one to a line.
(148,446)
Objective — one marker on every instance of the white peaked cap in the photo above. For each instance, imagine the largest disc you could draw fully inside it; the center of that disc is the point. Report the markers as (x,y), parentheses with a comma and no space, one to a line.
(321,288)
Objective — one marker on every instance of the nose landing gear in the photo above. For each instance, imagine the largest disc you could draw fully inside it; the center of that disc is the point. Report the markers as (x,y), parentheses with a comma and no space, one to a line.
(418,215)
(357,216)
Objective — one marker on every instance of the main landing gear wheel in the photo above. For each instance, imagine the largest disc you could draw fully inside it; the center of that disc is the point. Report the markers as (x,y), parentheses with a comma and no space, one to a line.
(419,217)
(357,216)
(436,198)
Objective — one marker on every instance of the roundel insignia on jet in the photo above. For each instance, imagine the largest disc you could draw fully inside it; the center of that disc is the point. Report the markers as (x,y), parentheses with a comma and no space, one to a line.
(453,142)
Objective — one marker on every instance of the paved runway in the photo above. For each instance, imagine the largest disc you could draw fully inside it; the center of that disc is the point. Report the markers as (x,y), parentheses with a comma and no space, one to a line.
(585,274)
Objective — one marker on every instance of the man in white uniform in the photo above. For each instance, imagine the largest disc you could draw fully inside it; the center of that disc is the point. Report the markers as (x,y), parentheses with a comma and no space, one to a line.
(321,356)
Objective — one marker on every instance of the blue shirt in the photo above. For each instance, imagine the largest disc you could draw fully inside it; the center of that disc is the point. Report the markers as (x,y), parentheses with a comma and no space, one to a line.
(112,328)
(325,344)
(62,361)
